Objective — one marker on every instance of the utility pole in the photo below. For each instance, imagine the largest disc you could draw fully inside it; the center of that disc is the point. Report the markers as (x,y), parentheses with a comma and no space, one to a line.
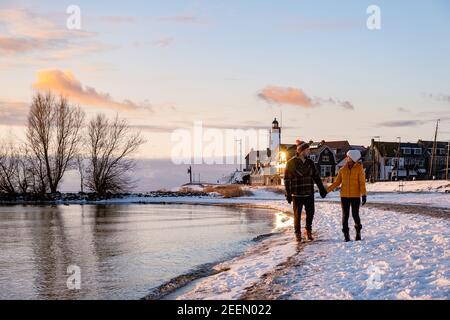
(374,174)
(448,158)
(398,155)
(240,153)
(433,153)
(190,174)
(400,183)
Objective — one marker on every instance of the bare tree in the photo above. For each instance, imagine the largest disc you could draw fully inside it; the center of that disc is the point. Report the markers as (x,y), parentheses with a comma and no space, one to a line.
(8,169)
(53,138)
(14,171)
(110,144)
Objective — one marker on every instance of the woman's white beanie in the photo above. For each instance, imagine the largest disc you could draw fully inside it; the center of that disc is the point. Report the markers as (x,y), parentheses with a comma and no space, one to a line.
(355,155)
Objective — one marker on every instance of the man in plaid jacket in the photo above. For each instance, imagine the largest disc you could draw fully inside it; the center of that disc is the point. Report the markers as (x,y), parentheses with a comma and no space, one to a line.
(299,178)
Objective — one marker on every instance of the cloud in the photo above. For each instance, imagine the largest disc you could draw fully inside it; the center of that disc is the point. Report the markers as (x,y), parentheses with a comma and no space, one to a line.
(401,123)
(117,19)
(20,45)
(24,32)
(343,104)
(280,95)
(329,25)
(65,83)
(186,19)
(163,42)
(438,97)
(13,113)
(346,105)
(297,97)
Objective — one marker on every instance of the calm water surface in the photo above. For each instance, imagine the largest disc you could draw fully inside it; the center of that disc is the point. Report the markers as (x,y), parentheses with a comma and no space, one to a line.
(122,250)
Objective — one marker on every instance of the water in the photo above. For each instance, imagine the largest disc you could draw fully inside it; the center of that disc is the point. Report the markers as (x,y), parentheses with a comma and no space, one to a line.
(122,250)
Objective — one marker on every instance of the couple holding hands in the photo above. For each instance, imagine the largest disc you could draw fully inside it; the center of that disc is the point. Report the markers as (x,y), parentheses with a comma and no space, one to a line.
(300,176)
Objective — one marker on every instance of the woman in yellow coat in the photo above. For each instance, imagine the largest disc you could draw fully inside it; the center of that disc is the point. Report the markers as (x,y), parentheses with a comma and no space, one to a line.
(352,180)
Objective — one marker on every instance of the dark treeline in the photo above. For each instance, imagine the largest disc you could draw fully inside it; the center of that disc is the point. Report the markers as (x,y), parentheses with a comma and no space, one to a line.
(58,138)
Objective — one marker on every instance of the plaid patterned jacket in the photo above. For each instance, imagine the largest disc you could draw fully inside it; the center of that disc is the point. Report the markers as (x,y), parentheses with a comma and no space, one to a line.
(299,177)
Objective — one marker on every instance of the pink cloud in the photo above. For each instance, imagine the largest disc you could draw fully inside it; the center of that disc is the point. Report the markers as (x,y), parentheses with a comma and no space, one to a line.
(297,97)
(280,95)
(65,83)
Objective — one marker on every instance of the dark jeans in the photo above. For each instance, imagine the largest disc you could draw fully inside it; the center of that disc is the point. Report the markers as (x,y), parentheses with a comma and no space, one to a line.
(299,202)
(354,203)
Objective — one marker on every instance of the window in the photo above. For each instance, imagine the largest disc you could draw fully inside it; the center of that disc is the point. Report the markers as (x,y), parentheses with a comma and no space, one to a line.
(406,150)
(442,151)
(417,151)
(325,158)
(325,171)
(312,157)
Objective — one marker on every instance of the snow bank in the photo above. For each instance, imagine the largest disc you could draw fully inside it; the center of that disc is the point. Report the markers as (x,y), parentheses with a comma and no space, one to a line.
(437,199)
(410,186)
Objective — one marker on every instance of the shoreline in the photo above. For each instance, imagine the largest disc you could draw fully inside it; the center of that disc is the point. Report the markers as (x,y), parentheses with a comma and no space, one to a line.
(181,283)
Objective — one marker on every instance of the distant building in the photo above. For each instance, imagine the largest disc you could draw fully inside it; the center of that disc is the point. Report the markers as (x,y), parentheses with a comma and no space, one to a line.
(267,166)
(406,160)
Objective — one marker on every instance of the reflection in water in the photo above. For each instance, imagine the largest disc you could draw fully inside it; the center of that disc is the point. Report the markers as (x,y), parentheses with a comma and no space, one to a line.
(122,250)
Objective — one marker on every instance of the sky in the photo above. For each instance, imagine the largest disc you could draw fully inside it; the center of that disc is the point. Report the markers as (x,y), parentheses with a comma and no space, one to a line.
(163,65)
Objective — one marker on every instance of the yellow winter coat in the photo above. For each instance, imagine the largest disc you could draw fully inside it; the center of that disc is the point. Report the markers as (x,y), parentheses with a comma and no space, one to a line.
(353,181)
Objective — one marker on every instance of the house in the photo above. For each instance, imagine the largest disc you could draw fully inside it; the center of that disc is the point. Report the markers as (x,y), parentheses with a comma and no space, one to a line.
(406,160)
(339,150)
(437,164)
(324,157)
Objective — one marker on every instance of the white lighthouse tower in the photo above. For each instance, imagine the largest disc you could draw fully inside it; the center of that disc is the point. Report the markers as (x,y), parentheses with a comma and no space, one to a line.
(275,136)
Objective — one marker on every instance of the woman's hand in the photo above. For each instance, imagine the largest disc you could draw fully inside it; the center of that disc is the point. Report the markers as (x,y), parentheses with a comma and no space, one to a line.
(364,200)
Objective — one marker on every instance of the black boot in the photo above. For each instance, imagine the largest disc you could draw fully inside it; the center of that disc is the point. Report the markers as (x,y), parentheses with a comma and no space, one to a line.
(346,235)
(358,233)
(308,235)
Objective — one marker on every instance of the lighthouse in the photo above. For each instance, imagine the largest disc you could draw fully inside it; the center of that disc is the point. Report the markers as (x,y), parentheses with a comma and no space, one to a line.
(275,136)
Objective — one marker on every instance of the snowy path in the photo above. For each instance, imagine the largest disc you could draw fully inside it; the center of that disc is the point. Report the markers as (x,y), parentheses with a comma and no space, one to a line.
(401,257)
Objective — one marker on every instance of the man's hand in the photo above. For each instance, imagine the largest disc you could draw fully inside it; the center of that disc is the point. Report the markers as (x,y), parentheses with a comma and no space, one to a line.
(364,200)
(289,198)
(323,193)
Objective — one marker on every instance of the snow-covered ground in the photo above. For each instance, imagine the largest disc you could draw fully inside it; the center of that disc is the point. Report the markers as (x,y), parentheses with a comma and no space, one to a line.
(402,256)
(410,186)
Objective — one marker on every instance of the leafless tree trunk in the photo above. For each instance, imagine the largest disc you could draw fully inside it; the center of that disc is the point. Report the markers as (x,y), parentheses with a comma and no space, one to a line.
(14,170)
(110,144)
(81,169)
(53,137)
